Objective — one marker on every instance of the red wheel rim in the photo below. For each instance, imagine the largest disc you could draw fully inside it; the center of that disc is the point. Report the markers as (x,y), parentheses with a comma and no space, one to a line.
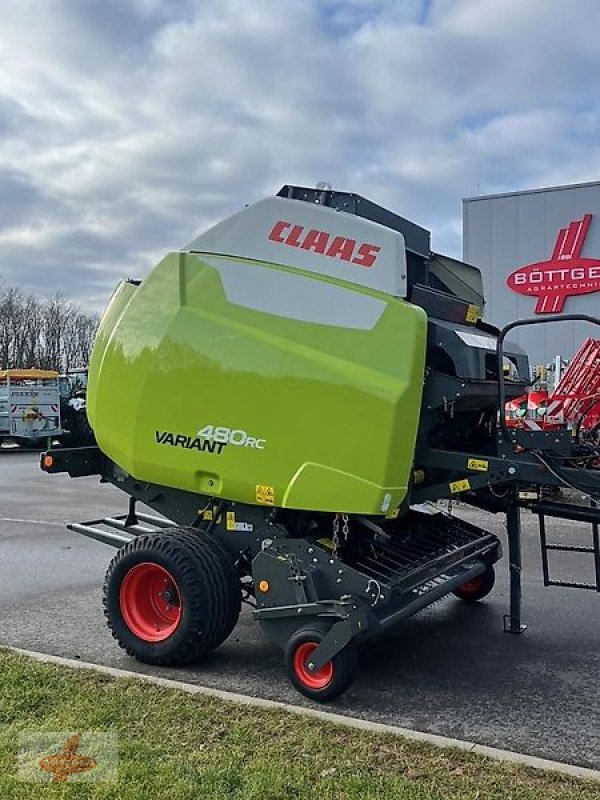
(150,602)
(317,679)
(472,586)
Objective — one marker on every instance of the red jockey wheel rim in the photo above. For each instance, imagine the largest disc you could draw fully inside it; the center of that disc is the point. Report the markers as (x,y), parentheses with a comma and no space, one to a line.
(317,679)
(472,586)
(150,602)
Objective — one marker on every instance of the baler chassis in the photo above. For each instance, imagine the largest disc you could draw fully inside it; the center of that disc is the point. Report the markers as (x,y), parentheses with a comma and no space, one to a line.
(322,583)
(345,579)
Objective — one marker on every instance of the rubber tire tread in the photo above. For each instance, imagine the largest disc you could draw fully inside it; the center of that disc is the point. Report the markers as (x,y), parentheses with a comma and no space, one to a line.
(199,579)
(345,663)
(231,607)
(489,579)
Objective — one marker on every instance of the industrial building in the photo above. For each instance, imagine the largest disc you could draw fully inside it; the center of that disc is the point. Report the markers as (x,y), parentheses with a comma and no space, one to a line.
(539,254)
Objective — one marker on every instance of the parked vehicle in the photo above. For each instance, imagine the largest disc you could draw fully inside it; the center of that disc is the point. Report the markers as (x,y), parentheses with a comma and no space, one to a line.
(288,392)
(29,406)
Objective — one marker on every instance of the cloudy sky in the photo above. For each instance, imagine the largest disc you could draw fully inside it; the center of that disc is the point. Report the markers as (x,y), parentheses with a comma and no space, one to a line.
(128,126)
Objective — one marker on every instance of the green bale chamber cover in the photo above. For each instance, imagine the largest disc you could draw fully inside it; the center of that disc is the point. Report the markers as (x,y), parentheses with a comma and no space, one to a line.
(245,377)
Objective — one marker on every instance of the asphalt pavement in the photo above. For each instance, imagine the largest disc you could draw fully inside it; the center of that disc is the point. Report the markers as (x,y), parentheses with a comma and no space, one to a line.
(451,670)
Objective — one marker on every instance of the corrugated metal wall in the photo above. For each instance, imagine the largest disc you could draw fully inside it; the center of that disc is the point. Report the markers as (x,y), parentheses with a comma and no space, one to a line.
(504,232)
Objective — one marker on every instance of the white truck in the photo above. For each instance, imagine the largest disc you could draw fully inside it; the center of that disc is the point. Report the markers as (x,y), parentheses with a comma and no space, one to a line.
(29,406)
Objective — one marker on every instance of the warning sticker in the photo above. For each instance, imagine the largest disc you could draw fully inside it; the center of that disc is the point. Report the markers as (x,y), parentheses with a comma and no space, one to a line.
(473,314)
(460,486)
(418,475)
(478,464)
(265,495)
(208,515)
(233,525)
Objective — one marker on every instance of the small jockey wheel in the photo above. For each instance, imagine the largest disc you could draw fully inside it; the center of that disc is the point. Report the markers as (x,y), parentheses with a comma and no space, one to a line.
(477,588)
(333,678)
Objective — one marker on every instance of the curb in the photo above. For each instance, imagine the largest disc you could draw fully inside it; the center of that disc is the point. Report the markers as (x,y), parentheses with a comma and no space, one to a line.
(327,716)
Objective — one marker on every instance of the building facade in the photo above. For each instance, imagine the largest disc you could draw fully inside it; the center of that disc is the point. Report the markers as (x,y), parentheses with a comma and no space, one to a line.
(539,254)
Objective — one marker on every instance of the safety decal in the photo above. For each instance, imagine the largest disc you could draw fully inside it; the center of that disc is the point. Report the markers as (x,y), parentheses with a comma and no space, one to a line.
(460,486)
(473,314)
(478,464)
(233,525)
(265,495)
(418,475)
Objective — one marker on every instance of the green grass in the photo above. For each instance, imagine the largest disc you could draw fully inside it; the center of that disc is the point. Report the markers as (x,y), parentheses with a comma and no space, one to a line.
(176,745)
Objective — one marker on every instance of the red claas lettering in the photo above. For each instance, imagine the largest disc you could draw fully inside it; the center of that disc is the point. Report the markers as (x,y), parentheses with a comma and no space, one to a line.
(324,243)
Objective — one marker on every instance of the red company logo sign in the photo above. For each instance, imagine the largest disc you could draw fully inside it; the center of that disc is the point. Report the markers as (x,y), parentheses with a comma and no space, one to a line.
(326,244)
(563,275)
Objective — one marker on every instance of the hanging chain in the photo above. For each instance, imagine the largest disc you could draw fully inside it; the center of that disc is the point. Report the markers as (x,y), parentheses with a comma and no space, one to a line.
(335,536)
(345,527)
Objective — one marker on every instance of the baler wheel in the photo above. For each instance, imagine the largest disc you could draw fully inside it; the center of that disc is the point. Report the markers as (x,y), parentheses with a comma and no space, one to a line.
(333,678)
(478,587)
(232,596)
(170,601)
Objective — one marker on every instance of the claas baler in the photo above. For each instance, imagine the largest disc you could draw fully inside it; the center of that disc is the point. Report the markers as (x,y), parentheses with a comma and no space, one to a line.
(289,392)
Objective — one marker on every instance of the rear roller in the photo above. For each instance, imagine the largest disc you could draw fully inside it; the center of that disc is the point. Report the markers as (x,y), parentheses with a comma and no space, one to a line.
(171,597)
(477,588)
(332,679)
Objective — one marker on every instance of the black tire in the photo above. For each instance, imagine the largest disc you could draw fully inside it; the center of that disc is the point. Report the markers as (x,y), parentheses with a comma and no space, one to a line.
(479,587)
(333,679)
(231,587)
(203,593)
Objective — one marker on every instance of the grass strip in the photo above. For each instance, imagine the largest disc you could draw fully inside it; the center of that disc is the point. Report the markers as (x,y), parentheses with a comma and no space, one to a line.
(178,746)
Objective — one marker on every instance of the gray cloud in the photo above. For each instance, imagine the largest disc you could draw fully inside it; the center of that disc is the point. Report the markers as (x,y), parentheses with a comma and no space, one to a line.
(126,126)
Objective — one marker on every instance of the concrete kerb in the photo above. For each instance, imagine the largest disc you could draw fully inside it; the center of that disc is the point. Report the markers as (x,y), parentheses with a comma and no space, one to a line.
(327,716)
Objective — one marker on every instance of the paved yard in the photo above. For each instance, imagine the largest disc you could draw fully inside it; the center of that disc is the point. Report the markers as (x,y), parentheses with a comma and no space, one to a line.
(450,670)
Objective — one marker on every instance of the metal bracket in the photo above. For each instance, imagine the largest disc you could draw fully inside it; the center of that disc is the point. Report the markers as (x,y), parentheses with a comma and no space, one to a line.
(337,638)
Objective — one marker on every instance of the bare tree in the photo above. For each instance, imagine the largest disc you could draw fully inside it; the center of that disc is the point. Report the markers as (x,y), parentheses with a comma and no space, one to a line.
(50,334)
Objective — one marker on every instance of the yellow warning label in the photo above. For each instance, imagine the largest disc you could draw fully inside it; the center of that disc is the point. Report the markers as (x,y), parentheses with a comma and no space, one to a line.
(473,314)
(460,486)
(326,543)
(208,515)
(418,475)
(478,465)
(231,520)
(265,495)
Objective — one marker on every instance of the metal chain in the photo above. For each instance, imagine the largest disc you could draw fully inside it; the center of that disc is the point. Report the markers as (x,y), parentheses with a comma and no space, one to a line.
(345,527)
(335,536)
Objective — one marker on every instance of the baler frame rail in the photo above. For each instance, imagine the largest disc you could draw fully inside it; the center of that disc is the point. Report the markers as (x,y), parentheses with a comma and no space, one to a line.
(119,530)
